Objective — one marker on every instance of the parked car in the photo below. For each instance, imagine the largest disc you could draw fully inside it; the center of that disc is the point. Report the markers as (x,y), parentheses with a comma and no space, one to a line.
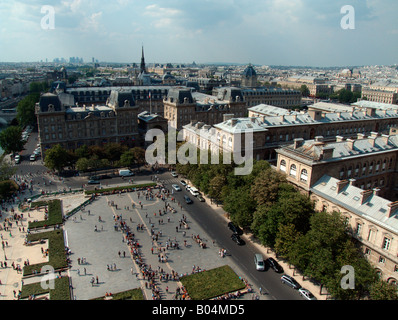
(200,198)
(272,263)
(235,229)
(32,157)
(259,262)
(183,183)
(306,294)
(93,181)
(237,239)
(174,174)
(176,187)
(17,159)
(188,200)
(125,173)
(290,282)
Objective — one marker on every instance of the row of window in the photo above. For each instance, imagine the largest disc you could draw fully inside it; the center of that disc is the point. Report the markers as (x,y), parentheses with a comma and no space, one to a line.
(293,171)
(366,168)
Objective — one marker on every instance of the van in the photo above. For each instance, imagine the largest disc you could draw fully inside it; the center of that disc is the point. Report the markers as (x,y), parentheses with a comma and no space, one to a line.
(259,262)
(125,173)
(194,191)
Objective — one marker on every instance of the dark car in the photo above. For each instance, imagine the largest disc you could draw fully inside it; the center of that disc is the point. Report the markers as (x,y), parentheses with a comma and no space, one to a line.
(235,238)
(290,282)
(272,263)
(188,200)
(235,229)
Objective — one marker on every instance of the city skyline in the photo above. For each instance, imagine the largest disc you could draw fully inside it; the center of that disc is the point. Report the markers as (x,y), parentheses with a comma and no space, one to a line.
(268,32)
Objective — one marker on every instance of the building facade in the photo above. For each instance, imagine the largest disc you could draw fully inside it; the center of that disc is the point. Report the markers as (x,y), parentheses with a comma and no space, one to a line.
(60,121)
(181,106)
(372,221)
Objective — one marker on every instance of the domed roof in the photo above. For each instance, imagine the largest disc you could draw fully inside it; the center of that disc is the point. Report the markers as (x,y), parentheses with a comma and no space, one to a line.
(168,76)
(249,72)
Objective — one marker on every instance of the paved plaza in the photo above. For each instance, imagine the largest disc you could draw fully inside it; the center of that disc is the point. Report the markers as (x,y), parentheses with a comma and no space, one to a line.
(105,254)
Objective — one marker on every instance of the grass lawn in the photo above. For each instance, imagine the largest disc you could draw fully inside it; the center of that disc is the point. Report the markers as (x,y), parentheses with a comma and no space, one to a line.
(54,214)
(134,294)
(57,255)
(60,291)
(115,189)
(212,283)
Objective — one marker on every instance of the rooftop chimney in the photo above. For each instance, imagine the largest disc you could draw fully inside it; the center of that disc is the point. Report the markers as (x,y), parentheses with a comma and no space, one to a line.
(341,185)
(350,143)
(315,114)
(339,138)
(392,206)
(365,195)
(298,142)
(376,191)
(326,153)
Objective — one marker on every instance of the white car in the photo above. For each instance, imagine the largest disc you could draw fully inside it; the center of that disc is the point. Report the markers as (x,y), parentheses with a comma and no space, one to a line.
(176,187)
(174,174)
(306,294)
(33,157)
(183,183)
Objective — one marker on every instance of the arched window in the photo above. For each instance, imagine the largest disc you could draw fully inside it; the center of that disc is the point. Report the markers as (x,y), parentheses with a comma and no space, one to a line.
(293,170)
(304,175)
(282,166)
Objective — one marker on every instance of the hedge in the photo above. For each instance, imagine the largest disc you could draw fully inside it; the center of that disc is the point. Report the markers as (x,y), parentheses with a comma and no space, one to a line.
(212,283)
(54,214)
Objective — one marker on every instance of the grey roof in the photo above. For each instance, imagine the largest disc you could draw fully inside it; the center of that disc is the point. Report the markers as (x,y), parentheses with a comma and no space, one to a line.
(179,94)
(374,209)
(119,98)
(312,149)
(236,125)
(249,71)
(269,110)
(50,99)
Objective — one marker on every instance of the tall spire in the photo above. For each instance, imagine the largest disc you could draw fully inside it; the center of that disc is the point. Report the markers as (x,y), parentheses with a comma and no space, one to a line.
(143,69)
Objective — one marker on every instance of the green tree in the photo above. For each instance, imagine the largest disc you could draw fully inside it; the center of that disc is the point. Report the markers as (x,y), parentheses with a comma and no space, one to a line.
(6,169)
(215,187)
(285,240)
(127,158)
(11,140)
(26,110)
(266,185)
(305,92)
(240,205)
(139,155)
(381,290)
(56,158)
(82,164)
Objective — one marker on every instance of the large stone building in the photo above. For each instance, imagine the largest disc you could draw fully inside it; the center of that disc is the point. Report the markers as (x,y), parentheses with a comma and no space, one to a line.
(148,98)
(370,160)
(382,96)
(354,178)
(60,121)
(371,220)
(182,106)
(283,129)
(284,98)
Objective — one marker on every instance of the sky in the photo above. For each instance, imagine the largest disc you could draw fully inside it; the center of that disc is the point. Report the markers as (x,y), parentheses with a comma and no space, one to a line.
(261,32)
